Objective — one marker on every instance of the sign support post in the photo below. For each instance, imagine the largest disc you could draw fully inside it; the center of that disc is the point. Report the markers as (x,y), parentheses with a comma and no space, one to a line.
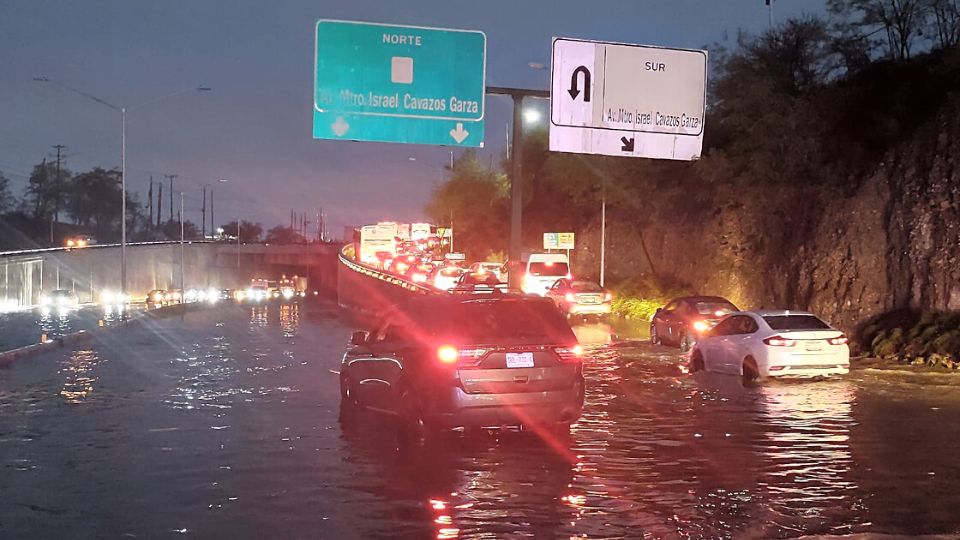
(516,177)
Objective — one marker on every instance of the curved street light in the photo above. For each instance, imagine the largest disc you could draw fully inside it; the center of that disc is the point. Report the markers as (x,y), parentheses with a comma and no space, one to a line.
(123,157)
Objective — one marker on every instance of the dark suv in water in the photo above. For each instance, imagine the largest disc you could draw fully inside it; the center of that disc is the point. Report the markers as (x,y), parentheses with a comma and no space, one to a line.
(479,361)
(684,319)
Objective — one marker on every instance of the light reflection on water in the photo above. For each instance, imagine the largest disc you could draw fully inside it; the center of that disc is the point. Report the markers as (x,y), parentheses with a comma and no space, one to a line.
(80,377)
(660,454)
(290,319)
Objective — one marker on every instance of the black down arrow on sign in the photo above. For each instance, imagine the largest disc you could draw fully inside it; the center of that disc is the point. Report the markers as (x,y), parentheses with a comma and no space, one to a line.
(627,144)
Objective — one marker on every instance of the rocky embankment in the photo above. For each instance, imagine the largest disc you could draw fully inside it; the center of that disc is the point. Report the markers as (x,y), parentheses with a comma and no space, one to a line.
(852,254)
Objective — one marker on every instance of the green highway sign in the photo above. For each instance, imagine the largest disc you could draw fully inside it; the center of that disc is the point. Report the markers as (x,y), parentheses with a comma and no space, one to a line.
(404,84)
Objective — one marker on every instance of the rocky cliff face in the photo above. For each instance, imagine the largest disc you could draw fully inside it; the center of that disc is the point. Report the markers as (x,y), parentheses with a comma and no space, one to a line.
(891,243)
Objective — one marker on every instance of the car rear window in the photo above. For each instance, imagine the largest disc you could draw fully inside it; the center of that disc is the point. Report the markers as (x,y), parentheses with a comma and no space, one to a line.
(548,269)
(795,322)
(585,286)
(493,321)
(715,308)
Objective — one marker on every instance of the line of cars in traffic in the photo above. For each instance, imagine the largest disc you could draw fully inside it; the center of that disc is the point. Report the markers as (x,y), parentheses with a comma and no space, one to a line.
(488,357)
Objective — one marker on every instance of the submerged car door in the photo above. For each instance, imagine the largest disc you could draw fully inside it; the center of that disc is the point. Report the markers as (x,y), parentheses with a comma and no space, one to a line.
(664,322)
(737,341)
(384,367)
(713,347)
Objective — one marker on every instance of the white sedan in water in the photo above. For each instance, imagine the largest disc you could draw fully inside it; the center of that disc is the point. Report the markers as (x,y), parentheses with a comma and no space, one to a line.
(758,344)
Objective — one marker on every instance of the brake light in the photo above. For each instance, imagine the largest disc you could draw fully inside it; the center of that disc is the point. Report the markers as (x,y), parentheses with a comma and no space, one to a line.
(607,297)
(780,341)
(571,297)
(840,340)
(776,368)
(569,354)
(419,278)
(701,326)
(569,275)
(448,354)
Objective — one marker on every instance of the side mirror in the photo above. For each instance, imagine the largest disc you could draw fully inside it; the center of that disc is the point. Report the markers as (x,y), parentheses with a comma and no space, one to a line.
(658,311)
(358,338)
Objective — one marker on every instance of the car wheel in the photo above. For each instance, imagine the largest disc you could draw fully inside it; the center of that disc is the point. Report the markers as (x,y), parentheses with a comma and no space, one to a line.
(696,362)
(750,372)
(348,398)
(414,431)
(685,342)
(654,335)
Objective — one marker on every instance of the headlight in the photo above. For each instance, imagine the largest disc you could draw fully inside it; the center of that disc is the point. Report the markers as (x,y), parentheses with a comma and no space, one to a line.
(701,326)
(44,300)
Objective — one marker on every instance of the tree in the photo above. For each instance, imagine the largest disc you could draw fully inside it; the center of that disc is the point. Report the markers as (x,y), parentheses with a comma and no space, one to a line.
(249,232)
(283,235)
(900,21)
(763,113)
(945,19)
(171,229)
(474,201)
(7,200)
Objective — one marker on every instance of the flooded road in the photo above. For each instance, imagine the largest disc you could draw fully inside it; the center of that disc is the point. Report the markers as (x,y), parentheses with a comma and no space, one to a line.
(226,427)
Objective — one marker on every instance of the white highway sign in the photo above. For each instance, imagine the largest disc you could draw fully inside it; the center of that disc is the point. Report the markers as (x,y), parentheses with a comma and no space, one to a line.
(627,100)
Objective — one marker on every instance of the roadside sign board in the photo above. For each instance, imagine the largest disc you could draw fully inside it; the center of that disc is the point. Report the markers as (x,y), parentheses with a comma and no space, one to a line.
(627,100)
(403,84)
(558,240)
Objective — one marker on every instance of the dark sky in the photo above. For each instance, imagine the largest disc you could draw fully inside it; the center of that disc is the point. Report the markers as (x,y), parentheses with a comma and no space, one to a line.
(254,128)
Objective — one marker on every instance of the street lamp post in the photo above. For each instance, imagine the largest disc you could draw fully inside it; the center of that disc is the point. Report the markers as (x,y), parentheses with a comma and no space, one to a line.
(123,160)
(516,175)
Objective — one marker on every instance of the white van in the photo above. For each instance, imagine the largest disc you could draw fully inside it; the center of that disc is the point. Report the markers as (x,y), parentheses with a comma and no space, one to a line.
(543,270)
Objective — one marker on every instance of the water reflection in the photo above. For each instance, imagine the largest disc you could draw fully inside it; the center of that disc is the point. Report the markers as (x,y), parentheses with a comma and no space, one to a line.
(80,377)
(658,453)
(289,319)
(259,316)
(206,380)
(598,333)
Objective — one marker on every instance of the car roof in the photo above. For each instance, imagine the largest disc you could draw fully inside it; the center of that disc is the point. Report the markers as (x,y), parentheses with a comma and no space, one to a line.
(701,299)
(775,312)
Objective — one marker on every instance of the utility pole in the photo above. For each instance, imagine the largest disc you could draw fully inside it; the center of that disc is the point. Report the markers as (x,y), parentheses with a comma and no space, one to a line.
(203,214)
(213,223)
(159,202)
(182,290)
(238,242)
(171,177)
(770,11)
(150,196)
(603,232)
(57,186)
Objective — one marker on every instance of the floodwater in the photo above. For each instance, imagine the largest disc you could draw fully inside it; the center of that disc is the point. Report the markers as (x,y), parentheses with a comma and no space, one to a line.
(225,426)
(25,327)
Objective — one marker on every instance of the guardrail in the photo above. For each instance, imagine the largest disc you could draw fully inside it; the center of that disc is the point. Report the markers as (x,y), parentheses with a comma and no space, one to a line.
(366,289)
(97,246)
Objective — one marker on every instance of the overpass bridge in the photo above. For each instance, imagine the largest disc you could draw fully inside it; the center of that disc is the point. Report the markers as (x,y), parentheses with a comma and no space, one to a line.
(26,274)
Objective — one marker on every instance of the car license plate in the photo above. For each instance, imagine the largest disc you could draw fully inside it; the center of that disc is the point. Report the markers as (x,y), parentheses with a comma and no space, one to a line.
(519,360)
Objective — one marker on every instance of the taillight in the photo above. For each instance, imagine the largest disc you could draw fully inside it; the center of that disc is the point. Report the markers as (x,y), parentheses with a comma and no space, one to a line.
(607,297)
(701,326)
(780,341)
(569,354)
(448,354)
(571,297)
(569,275)
(840,340)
